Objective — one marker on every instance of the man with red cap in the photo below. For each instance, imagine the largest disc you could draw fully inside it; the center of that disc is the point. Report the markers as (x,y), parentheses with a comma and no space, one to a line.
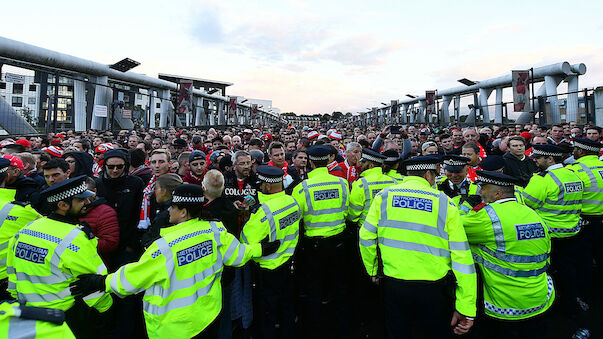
(24,187)
(25,143)
(99,155)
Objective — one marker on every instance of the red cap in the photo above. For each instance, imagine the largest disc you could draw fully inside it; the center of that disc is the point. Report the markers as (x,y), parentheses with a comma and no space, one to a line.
(56,141)
(102,148)
(526,135)
(312,134)
(15,162)
(267,136)
(54,151)
(23,142)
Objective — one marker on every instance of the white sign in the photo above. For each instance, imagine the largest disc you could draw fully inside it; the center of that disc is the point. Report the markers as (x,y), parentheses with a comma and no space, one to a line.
(14,78)
(100,111)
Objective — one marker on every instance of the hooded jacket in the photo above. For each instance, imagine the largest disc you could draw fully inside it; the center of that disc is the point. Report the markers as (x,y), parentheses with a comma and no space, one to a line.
(103,221)
(25,187)
(83,163)
(520,169)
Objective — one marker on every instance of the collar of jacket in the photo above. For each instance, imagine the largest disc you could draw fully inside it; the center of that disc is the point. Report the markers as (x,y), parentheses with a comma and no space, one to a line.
(587,158)
(63,218)
(267,197)
(418,180)
(317,172)
(371,171)
(178,227)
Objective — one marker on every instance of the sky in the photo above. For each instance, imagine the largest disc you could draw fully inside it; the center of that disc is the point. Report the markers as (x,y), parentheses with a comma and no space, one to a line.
(320,56)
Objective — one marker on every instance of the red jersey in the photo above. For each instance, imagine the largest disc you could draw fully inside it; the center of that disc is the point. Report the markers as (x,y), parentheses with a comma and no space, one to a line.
(351,173)
(335,170)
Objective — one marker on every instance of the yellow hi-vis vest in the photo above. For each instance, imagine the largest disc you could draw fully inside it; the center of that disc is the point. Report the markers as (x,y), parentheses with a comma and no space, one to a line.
(14,327)
(180,274)
(511,245)
(371,182)
(420,237)
(13,217)
(45,257)
(278,218)
(590,170)
(7,194)
(323,199)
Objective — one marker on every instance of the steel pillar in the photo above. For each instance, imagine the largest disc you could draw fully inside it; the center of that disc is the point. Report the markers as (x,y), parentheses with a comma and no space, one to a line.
(164,95)
(79,105)
(498,112)
(100,98)
(572,99)
(445,113)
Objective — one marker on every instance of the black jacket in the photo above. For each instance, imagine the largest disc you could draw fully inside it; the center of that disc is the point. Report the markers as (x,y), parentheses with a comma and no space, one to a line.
(124,194)
(520,169)
(231,187)
(25,187)
(161,220)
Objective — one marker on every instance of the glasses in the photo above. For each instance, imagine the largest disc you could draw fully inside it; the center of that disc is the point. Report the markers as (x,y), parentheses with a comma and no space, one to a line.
(120,166)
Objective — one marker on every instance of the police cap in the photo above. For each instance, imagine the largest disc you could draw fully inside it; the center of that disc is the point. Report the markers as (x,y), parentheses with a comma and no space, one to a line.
(587,144)
(492,163)
(70,188)
(188,194)
(270,174)
(319,152)
(4,164)
(370,155)
(546,150)
(423,162)
(391,156)
(453,162)
(494,178)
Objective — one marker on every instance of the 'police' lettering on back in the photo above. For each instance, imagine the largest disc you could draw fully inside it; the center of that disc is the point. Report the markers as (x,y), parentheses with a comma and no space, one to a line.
(30,253)
(194,253)
(414,203)
(326,195)
(288,220)
(530,231)
(573,187)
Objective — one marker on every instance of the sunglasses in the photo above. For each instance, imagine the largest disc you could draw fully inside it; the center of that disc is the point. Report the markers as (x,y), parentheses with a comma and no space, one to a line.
(120,166)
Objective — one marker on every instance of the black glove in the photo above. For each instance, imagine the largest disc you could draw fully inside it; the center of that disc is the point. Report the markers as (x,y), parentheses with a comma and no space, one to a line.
(41,313)
(474,200)
(269,247)
(87,284)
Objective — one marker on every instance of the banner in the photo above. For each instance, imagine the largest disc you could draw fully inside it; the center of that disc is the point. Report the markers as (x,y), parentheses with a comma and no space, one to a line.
(232,107)
(374,116)
(521,91)
(185,99)
(394,108)
(254,111)
(100,111)
(429,102)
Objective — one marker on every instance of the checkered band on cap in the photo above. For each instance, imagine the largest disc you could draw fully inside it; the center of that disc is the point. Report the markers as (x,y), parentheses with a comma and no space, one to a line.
(269,179)
(587,147)
(186,200)
(372,158)
(421,167)
(4,169)
(486,180)
(68,193)
(546,154)
(314,157)
(391,159)
(454,162)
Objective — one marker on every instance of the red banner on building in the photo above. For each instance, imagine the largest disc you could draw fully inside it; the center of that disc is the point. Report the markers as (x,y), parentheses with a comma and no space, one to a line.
(430,102)
(185,99)
(232,107)
(521,91)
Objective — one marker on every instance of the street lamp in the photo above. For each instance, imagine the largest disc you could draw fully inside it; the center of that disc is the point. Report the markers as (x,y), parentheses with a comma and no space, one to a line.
(467,82)
(411,96)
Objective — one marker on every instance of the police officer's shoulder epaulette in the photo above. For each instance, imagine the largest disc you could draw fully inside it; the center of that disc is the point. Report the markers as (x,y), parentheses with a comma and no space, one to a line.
(20,203)
(543,173)
(479,207)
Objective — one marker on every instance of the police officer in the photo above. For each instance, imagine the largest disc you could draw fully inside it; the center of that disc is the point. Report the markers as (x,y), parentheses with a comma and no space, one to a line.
(277,217)
(511,245)
(391,163)
(456,185)
(46,255)
(372,181)
(323,199)
(496,163)
(5,193)
(420,239)
(589,169)
(14,215)
(180,272)
(20,322)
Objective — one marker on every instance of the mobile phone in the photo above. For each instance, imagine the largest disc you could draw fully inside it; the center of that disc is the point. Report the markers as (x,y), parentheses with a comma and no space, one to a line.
(394,130)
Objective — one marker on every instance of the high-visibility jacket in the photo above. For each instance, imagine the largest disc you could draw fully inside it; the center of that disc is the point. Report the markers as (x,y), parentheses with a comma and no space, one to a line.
(395,175)
(13,217)
(556,195)
(519,195)
(12,326)
(323,199)
(371,182)
(7,194)
(277,217)
(45,257)
(590,170)
(180,273)
(511,245)
(466,189)
(420,237)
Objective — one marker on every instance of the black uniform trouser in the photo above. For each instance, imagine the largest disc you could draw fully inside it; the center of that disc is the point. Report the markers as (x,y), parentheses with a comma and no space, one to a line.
(276,301)
(86,322)
(211,331)
(535,327)
(324,261)
(424,308)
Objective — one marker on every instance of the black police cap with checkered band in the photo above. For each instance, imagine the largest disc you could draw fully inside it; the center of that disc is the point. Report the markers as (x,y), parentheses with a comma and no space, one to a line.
(587,144)
(70,188)
(546,150)
(270,174)
(423,162)
(494,178)
(370,155)
(188,194)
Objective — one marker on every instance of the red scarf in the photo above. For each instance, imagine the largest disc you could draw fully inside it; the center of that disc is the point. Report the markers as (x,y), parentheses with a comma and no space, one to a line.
(332,165)
(351,173)
(270,163)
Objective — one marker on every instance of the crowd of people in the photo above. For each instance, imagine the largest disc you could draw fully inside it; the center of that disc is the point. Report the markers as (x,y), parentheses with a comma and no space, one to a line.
(323,230)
